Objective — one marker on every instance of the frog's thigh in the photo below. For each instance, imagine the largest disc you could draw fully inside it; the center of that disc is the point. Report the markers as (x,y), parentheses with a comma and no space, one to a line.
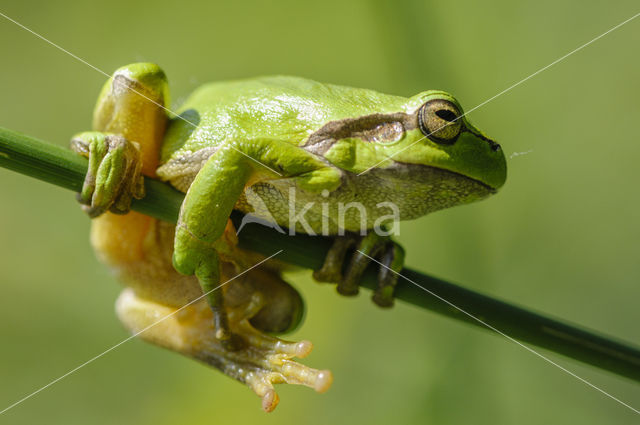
(273,305)
(138,249)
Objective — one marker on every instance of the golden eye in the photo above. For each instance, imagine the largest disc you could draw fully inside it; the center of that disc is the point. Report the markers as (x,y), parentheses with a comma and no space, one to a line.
(439,119)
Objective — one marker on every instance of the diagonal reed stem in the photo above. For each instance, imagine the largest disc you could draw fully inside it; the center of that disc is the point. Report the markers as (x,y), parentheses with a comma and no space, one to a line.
(64,168)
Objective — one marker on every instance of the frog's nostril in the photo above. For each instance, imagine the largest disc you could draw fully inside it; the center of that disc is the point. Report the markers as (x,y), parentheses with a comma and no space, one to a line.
(495,146)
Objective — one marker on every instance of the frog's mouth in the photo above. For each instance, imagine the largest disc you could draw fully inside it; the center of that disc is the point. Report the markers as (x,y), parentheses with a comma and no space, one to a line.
(422,173)
(420,189)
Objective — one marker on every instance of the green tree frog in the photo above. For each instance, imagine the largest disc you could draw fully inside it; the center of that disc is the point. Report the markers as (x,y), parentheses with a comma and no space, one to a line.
(292,144)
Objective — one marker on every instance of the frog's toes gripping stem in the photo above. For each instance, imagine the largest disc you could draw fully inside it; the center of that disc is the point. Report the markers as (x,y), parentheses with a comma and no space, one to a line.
(262,361)
(114,176)
(372,245)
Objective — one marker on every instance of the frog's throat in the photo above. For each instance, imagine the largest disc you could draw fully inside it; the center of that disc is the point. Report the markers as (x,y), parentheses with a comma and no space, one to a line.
(418,189)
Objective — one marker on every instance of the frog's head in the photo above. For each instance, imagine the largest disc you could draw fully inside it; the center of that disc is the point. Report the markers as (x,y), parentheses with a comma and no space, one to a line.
(425,157)
(446,139)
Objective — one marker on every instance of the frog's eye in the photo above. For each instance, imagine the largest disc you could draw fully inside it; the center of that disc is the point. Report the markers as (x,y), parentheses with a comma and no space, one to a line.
(439,119)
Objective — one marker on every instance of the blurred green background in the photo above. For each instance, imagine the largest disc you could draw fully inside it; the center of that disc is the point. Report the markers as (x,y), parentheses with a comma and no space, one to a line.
(562,237)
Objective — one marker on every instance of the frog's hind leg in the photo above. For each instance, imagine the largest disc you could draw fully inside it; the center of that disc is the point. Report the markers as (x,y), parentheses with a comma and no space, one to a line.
(262,361)
(114,175)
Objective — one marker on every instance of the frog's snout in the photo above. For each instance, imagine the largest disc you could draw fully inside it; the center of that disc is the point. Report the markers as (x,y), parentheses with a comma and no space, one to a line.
(494,168)
(499,172)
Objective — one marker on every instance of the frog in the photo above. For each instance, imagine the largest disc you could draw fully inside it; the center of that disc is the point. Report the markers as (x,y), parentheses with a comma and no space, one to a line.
(317,158)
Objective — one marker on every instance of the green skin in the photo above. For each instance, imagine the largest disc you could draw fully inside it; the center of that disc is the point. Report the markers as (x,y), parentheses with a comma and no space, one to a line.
(277,133)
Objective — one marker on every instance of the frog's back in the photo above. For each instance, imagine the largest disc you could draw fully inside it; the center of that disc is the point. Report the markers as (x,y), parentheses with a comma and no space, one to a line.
(280,108)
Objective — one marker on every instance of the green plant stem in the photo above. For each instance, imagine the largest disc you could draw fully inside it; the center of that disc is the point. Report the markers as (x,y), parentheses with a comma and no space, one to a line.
(62,167)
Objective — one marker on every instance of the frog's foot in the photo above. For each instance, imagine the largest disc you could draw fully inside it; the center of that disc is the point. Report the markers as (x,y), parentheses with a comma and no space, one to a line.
(383,249)
(262,361)
(114,176)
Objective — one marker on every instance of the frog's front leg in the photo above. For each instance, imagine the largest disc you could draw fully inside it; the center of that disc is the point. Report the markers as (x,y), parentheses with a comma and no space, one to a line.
(203,218)
(383,249)
(213,194)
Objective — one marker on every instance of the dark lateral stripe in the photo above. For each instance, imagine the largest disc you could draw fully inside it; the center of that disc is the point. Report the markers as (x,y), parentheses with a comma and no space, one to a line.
(368,128)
